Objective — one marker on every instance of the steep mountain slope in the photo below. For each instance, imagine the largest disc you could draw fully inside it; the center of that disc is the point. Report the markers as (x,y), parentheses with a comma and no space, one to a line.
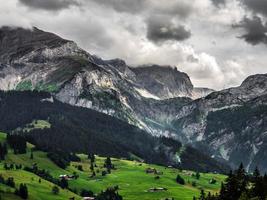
(34,59)
(201,92)
(164,82)
(81,130)
(230,123)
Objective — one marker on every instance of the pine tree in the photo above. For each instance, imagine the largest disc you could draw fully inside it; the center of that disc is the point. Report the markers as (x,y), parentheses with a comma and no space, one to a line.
(258,189)
(242,180)
(31,156)
(109,194)
(23,191)
(3,151)
(108,163)
(223,194)
(197,175)
(92,166)
(202,195)
(6,167)
(91,157)
(180,180)
(64,183)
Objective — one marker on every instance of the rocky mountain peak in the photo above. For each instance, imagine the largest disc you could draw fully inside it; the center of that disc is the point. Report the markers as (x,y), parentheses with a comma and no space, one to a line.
(164,81)
(16,42)
(255,82)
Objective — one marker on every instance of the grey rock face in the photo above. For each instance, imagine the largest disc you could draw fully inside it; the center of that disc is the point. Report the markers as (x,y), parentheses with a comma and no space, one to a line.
(163,81)
(229,124)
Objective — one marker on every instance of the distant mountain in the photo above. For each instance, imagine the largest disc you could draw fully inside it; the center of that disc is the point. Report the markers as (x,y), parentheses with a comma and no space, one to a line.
(230,123)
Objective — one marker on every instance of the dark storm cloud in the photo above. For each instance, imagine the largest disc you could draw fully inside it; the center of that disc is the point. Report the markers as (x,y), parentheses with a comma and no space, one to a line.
(257,6)
(256,30)
(52,5)
(218,2)
(130,6)
(160,30)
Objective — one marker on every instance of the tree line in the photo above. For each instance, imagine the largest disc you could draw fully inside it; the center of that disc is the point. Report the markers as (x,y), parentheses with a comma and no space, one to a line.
(240,185)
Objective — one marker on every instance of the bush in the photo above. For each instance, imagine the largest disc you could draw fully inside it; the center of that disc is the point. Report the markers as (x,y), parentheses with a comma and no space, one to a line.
(80,167)
(86,193)
(104,173)
(197,175)
(23,191)
(10,182)
(180,180)
(212,181)
(55,190)
(194,184)
(109,194)
(63,183)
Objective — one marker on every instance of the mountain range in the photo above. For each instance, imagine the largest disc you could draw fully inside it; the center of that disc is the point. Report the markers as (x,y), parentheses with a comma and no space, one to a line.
(229,126)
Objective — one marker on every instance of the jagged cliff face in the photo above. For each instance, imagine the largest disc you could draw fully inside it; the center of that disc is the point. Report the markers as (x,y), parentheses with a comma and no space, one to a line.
(34,59)
(164,82)
(230,123)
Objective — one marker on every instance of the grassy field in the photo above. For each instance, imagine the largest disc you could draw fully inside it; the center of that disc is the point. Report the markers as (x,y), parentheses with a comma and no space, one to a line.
(130,176)
(36,124)
(37,191)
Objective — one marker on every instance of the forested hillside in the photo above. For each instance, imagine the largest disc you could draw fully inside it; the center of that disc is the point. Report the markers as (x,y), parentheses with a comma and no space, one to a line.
(73,129)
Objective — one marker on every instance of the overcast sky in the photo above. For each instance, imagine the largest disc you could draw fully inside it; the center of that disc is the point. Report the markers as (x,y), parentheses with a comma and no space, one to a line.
(217,42)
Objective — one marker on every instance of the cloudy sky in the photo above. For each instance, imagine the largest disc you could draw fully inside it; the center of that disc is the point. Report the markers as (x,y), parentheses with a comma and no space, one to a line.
(217,42)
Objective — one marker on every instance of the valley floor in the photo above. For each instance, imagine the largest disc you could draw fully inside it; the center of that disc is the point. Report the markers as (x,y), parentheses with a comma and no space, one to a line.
(131,177)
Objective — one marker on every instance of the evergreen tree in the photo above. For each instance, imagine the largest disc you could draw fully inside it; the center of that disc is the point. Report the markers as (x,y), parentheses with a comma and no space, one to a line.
(31,156)
(6,167)
(108,163)
(242,179)
(63,183)
(236,187)
(17,142)
(91,157)
(23,191)
(109,194)
(223,193)
(202,195)
(3,151)
(197,175)
(258,188)
(180,180)
(10,182)
(92,166)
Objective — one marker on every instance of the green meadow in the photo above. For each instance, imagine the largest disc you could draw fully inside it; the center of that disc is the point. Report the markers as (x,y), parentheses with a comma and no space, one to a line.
(130,176)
